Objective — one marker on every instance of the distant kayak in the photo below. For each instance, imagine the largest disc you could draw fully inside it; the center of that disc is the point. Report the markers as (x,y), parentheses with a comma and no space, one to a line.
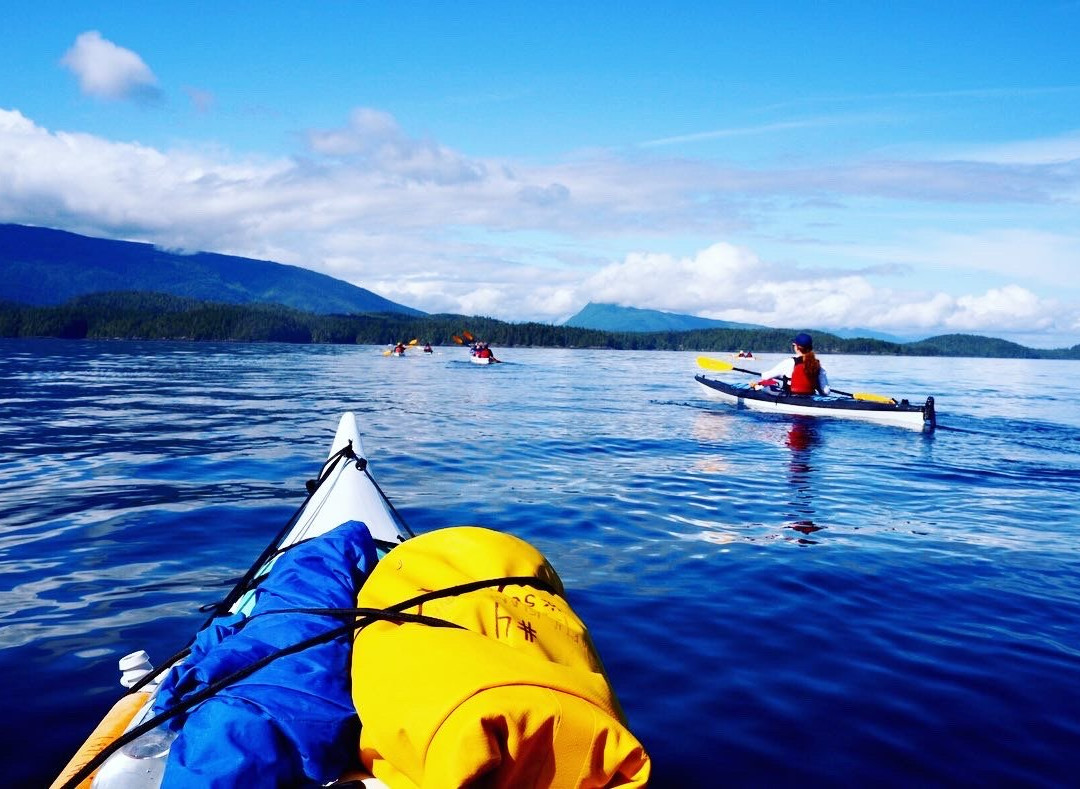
(902,413)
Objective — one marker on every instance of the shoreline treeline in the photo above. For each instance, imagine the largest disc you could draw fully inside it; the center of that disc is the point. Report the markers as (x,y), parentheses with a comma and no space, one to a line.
(157,316)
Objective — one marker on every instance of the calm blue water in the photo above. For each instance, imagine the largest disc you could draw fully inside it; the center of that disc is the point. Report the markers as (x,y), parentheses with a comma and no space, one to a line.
(778,600)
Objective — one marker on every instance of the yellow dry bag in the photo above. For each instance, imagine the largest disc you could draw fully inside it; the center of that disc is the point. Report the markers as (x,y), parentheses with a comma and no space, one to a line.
(516,696)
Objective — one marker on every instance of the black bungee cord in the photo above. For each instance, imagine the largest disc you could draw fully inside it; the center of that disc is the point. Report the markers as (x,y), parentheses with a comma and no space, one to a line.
(362,617)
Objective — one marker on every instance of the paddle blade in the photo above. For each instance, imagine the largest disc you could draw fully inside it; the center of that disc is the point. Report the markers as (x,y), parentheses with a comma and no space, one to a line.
(467,336)
(874,398)
(714,364)
(870,396)
(413,342)
(457,339)
(386,353)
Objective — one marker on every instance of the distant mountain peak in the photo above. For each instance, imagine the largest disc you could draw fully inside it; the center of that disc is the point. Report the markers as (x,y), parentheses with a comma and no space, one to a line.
(43,266)
(613,317)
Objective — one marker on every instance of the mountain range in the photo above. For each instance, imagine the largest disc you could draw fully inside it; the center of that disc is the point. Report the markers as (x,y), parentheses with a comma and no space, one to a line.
(613,317)
(41,266)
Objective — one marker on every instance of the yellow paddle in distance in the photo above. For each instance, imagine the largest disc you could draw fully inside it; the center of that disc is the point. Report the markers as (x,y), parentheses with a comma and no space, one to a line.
(720,365)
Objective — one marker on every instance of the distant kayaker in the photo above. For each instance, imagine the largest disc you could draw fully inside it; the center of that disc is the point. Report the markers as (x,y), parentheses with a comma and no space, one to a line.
(399,349)
(803,371)
(484,352)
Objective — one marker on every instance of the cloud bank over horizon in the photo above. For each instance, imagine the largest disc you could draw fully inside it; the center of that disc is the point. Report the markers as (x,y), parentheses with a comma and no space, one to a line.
(911,244)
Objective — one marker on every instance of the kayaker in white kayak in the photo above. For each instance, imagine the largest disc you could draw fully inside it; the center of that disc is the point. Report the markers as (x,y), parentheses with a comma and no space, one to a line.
(803,371)
(484,352)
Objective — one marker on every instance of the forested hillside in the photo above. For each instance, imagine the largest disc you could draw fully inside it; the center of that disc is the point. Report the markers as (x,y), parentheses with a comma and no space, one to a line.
(155,316)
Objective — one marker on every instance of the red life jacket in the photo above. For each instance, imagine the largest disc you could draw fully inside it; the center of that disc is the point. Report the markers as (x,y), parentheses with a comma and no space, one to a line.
(801,382)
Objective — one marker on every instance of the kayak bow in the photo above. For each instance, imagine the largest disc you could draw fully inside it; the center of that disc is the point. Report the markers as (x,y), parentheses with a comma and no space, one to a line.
(345,491)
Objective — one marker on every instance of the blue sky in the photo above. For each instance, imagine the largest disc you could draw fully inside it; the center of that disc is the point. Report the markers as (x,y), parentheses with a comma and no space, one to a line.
(908,167)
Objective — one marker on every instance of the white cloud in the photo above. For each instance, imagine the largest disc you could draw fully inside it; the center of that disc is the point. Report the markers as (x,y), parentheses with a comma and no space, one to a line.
(108,71)
(430,227)
(374,138)
(685,284)
(728,283)
(87,184)
(368,130)
(13,122)
(1011,308)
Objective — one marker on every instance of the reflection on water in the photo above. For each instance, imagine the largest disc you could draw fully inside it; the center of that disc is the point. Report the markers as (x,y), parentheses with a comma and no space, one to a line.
(802,436)
(712,429)
(719,432)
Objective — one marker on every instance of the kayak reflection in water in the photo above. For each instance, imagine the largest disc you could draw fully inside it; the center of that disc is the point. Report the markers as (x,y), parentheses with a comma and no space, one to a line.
(801,438)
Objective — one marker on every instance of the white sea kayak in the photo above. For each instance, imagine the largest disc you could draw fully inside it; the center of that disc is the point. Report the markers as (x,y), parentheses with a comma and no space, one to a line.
(918,416)
(346,491)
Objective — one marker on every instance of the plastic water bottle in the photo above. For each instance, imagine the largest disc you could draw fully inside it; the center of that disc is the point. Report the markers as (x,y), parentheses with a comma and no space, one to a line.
(141,763)
(138,765)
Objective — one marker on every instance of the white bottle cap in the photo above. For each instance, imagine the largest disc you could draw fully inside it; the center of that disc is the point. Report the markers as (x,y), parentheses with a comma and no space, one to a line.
(135,661)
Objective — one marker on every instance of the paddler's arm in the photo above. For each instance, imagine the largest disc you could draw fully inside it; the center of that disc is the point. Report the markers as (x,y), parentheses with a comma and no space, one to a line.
(782,369)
